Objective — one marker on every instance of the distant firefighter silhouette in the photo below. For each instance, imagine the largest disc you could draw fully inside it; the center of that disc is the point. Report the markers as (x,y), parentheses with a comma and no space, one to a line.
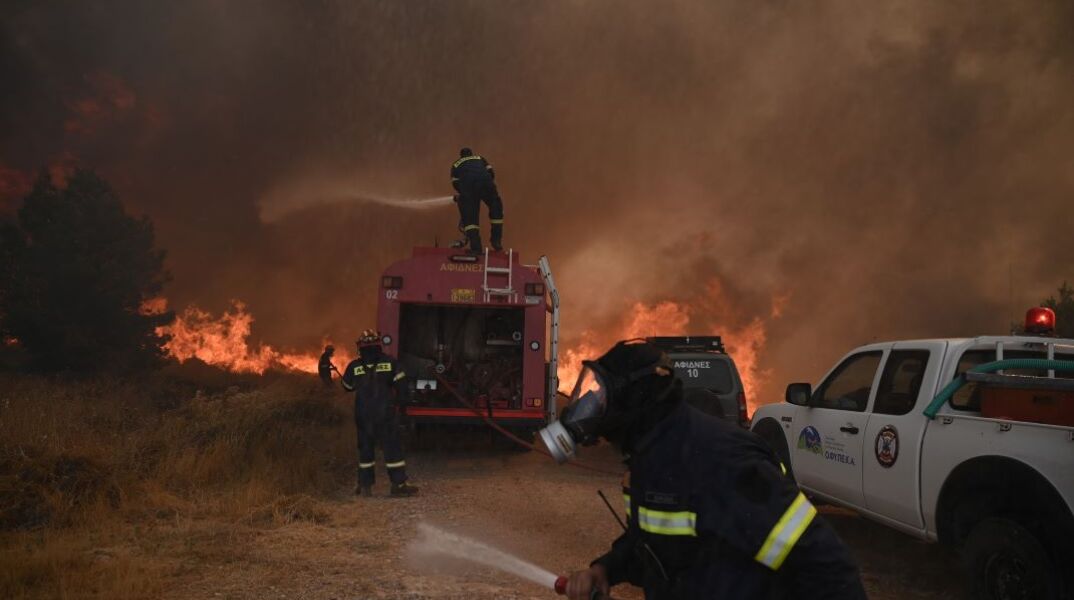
(325,366)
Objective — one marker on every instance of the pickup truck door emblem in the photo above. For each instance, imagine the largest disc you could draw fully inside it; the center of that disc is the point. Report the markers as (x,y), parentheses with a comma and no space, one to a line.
(887,446)
(809,440)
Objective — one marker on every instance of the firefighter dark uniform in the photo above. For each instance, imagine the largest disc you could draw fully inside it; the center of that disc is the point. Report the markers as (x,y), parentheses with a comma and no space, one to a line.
(474,180)
(325,366)
(379,386)
(712,514)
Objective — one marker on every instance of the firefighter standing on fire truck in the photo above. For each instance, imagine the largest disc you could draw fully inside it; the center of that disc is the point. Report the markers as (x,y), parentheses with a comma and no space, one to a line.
(474,182)
(379,388)
(711,511)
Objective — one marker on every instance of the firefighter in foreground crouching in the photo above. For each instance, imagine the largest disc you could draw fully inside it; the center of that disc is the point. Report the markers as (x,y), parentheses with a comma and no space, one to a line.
(474,180)
(711,511)
(379,389)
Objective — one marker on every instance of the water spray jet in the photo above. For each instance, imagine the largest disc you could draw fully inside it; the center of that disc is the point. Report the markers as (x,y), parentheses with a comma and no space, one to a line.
(433,541)
(279,205)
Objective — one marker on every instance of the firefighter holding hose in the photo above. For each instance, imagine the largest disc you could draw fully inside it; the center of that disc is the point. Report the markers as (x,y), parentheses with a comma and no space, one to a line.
(474,182)
(711,510)
(379,388)
(325,366)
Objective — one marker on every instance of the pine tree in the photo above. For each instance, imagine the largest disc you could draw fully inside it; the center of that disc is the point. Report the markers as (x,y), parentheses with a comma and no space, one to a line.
(1063,305)
(77,270)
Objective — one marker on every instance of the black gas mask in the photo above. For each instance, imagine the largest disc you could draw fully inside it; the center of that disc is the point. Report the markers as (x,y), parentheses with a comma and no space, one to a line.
(370,354)
(601,404)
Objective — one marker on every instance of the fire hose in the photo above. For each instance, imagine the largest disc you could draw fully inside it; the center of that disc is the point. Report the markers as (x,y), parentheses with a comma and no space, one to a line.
(560,585)
(514,438)
(495,426)
(1014,363)
(340,376)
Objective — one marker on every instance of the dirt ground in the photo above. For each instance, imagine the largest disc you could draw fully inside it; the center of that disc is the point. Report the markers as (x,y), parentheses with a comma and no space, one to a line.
(349,547)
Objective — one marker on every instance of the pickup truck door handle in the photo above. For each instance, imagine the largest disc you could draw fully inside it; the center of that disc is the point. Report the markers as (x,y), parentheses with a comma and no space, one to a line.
(849,429)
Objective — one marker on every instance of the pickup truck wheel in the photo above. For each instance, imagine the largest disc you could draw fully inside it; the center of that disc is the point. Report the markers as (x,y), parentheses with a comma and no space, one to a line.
(1006,562)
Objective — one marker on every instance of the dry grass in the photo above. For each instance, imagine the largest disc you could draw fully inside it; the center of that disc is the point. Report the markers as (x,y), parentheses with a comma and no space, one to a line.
(108,487)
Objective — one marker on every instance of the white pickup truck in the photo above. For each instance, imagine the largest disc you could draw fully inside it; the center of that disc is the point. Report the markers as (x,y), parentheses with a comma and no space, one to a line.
(989,469)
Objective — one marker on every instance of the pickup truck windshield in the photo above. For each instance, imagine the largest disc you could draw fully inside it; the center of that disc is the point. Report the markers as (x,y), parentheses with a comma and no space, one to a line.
(704,371)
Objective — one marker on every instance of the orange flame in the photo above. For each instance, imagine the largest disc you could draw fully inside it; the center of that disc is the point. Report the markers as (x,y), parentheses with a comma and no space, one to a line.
(744,338)
(224,342)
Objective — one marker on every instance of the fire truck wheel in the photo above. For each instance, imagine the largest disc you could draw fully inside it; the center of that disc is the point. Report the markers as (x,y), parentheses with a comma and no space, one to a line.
(1005,561)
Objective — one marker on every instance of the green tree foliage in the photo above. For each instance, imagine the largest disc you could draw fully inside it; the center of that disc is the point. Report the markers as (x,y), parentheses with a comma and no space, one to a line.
(1063,305)
(75,270)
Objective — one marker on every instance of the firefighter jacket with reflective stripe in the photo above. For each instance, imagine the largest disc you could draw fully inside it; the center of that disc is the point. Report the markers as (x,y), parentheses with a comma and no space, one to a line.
(375,384)
(469,170)
(713,515)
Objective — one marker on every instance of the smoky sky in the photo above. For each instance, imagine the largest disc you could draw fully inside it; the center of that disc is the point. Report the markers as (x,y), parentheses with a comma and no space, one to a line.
(893,170)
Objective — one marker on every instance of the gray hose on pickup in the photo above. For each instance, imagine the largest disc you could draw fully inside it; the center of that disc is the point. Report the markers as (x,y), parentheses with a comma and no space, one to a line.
(999,365)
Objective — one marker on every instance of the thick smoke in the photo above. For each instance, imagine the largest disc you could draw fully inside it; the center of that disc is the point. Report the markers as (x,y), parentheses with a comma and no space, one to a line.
(881,170)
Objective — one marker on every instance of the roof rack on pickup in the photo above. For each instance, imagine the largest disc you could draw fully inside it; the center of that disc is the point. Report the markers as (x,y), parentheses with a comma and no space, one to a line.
(688,343)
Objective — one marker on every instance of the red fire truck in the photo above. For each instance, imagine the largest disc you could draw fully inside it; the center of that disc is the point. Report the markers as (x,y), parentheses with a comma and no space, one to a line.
(485,326)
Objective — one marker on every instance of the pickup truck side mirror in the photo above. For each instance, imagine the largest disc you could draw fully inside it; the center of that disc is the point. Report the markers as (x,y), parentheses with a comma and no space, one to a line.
(799,394)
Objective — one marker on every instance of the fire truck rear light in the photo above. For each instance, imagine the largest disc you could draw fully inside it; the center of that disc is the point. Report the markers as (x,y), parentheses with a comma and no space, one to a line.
(534,289)
(391,282)
(1040,319)
(463,258)
(387,340)
(533,403)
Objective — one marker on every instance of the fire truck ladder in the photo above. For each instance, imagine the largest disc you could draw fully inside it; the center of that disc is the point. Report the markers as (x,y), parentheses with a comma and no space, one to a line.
(504,292)
(553,338)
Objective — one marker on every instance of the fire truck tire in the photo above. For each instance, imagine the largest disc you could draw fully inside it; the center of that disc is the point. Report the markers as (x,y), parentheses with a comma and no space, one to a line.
(1005,561)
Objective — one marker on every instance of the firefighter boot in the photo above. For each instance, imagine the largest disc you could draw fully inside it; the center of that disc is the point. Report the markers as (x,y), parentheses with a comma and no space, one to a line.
(474,237)
(497,236)
(404,489)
